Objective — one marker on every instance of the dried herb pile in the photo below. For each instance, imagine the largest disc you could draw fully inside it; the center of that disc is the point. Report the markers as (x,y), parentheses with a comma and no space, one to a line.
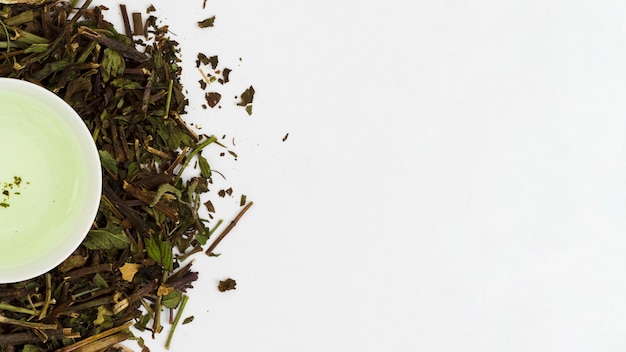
(128,270)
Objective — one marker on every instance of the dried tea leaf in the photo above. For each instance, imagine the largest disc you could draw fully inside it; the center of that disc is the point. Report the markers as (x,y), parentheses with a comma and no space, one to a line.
(30,348)
(209,206)
(161,252)
(72,262)
(202,59)
(207,22)
(213,98)
(99,281)
(205,168)
(113,64)
(214,61)
(247,97)
(226,75)
(188,320)
(108,161)
(165,188)
(227,285)
(106,238)
(172,299)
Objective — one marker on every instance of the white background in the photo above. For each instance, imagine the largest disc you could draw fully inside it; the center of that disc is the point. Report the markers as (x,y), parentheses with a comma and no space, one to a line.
(454,177)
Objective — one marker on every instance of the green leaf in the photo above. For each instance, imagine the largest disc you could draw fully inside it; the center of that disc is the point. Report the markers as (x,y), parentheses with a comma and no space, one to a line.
(205,168)
(172,299)
(36,48)
(108,161)
(188,320)
(161,252)
(106,238)
(30,348)
(99,281)
(133,170)
(203,237)
(165,188)
(112,64)
(126,83)
(143,322)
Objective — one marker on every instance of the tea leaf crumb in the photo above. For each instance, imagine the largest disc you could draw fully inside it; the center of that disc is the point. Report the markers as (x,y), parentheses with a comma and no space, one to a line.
(227,285)
(207,22)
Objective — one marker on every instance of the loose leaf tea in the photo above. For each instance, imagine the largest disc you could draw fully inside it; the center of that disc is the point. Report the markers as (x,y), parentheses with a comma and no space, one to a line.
(130,266)
(9,189)
(246,99)
(207,22)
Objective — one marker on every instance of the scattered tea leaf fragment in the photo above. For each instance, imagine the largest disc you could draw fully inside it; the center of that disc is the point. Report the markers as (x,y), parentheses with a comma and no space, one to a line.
(213,60)
(285,137)
(188,320)
(207,22)
(226,74)
(227,285)
(213,98)
(209,206)
(202,59)
(247,97)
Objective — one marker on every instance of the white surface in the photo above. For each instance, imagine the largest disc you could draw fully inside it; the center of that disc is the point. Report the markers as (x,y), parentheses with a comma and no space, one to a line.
(454,177)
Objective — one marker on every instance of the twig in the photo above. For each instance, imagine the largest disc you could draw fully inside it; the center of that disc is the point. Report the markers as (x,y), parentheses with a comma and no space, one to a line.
(127,30)
(94,338)
(179,314)
(126,50)
(44,309)
(10,308)
(228,229)
(26,324)
(20,338)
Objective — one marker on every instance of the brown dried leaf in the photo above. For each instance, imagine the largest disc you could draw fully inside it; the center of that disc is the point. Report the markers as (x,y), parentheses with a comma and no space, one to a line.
(227,285)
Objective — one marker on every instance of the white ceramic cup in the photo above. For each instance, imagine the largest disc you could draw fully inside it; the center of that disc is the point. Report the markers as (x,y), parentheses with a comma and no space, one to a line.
(50,180)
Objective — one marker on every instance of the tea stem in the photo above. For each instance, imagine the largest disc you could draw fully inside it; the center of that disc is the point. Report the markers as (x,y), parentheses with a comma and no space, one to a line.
(179,314)
(228,229)
(193,153)
(168,100)
(10,308)
(44,309)
(26,324)
(94,338)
